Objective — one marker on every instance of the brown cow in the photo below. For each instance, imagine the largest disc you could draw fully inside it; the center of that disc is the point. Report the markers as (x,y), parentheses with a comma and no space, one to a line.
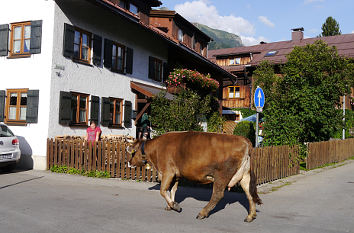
(203,157)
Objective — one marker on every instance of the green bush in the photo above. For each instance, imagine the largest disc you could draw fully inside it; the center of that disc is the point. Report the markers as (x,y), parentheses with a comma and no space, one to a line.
(215,122)
(246,129)
(74,171)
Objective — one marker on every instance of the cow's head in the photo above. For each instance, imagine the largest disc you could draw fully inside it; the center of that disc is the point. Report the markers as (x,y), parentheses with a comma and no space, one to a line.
(136,150)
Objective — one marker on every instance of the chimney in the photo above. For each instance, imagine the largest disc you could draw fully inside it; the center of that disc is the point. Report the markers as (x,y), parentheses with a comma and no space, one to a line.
(297,34)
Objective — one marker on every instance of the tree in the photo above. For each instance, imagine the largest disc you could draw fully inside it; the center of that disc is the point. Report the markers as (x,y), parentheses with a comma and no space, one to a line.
(183,113)
(302,102)
(330,27)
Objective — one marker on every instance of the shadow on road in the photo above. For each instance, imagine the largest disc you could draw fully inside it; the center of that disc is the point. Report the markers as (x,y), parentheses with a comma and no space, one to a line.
(204,194)
(20,182)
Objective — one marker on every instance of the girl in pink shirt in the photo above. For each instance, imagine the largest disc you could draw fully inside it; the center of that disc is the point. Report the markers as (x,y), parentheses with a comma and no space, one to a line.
(93,132)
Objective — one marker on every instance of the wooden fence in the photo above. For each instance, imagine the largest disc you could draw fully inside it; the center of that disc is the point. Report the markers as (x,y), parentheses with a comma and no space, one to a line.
(272,163)
(321,153)
(268,163)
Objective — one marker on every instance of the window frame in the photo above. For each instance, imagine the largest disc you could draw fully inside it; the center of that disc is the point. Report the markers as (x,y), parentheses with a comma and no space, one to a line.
(113,118)
(123,47)
(22,53)
(234,92)
(89,36)
(17,121)
(76,121)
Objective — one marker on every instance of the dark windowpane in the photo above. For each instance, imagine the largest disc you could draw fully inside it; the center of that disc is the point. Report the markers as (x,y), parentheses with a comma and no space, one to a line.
(133,8)
(85,40)
(23,98)
(82,115)
(77,37)
(76,51)
(237,88)
(84,55)
(122,4)
(82,102)
(13,99)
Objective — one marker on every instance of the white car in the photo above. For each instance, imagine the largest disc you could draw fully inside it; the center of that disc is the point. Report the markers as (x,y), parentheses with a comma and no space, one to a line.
(10,153)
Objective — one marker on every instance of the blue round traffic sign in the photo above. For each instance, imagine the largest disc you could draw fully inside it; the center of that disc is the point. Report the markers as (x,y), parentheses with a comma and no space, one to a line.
(259,98)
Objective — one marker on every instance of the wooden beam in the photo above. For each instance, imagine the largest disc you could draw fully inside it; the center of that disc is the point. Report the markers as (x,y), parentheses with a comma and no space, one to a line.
(141,90)
(141,100)
(142,112)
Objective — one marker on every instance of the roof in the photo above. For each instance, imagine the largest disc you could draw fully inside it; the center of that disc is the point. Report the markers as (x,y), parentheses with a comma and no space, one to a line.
(171,41)
(343,43)
(149,91)
(178,17)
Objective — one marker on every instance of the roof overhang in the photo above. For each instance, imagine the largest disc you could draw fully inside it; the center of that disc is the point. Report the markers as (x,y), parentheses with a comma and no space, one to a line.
(149,91)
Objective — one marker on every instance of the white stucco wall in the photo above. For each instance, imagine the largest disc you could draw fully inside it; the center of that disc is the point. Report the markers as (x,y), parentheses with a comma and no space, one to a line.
(32,73)
(95,80)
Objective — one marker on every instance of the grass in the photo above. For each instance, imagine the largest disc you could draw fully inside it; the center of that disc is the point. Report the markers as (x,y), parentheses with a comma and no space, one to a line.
(74,171)
(335,164)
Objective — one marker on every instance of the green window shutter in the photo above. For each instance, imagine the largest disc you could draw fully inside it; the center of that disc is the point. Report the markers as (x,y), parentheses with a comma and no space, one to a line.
(65,110)
(152,68)
(107,53)
(36,37)
(4,39)
(95,108)
(128,114)
(105,112)
(2,105)
(129,62)
(69,36)
(97,50)
(32,106)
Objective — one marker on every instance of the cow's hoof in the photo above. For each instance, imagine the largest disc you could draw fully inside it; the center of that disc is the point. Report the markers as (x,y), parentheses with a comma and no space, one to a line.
(176,207)
(200,217)
(168,208)
(249,219)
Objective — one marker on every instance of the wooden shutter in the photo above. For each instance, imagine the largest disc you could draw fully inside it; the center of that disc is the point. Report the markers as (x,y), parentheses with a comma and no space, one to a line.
(105,112)
(107,53)
(152,68)
(129,62)
(4,39)
(65,110)
(95,108)
(36,37)
(69,36)
(97,50)
(32,106)
(165,71)
(2,105)
(128,114)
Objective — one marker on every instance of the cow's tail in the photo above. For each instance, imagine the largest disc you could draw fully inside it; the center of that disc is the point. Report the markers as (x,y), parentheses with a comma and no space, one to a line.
(253,182)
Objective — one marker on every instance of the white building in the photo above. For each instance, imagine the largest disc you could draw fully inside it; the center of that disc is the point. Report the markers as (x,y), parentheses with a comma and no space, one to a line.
(65,62)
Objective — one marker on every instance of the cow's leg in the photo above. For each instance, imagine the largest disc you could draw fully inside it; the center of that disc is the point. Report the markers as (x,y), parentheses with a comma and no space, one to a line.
(245,184)
(218,193)
(173,193)
(165,185)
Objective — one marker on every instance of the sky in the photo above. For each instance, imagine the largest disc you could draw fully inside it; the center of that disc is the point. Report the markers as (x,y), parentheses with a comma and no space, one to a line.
(266,20)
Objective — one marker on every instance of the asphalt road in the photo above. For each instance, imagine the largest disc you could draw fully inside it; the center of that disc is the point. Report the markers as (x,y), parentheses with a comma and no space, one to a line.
(43,202)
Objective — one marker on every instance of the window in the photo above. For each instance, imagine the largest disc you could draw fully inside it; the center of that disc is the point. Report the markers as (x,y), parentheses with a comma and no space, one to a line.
(116,106)
(180,35)
(16,106)
(234,92)
(155,69)
(271,53)
(82,45)
(20,39)
(235,61)
(122,4)
(133,9)
(79,107)
(118,54)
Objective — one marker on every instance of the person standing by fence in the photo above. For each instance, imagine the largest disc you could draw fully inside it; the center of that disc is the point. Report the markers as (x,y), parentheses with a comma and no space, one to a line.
(93,132)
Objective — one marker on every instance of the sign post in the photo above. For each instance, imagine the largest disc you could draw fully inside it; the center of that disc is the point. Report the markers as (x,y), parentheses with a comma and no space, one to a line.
(259,100)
